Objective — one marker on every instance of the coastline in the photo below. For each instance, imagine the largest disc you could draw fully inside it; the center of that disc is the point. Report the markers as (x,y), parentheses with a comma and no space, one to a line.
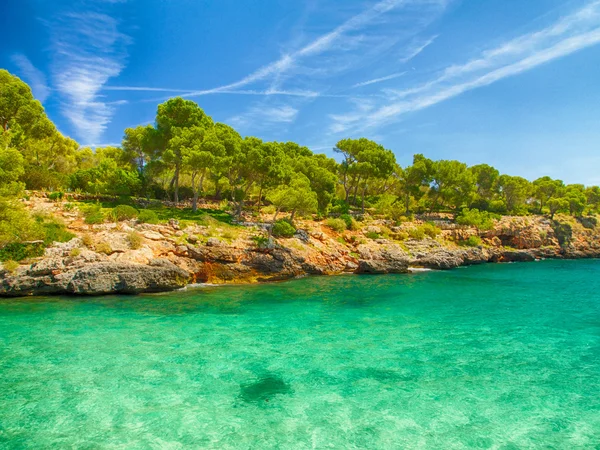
(173,256)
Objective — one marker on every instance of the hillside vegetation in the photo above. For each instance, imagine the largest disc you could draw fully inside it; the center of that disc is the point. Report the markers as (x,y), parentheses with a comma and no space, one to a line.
(190,168)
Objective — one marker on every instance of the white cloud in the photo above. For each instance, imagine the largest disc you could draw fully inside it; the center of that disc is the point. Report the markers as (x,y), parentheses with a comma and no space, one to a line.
(34,77)
(88,50)
(259,116)
(417,48)
(379,80)
(568,35)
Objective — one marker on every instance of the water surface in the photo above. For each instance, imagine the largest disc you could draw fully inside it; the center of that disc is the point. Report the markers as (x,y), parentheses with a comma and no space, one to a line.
(497,356)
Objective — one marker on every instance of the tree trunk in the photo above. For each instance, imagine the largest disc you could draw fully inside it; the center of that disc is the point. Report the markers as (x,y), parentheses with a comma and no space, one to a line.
(292,215)
(176,178)
(362,209)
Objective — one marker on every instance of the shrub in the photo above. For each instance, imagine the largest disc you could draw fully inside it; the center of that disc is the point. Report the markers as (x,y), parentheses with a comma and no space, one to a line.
(372,235)
(340,207)
(17,251)
(93,214)
(55,231)
(56,196)
(427,229)
(75,252)
(338,225)
(260,241)
(148,216)
(10,265)
(103,247)
(135,240)
(68,206)
(482,220)
(87,240)
(124,212)
(350,222)
(282,228)
(473,241)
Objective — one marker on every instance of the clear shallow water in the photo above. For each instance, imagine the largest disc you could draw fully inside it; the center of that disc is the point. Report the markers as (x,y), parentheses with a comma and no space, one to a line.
(498,356)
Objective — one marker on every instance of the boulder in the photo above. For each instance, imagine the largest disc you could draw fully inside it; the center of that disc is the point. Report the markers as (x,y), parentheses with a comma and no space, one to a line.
(95,279)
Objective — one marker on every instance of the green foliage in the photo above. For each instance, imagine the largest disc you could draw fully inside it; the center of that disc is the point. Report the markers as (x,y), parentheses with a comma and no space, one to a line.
(283,228)
(17,251)
(55,231)
(260,241)
(148,216)
(124,212)
(10,265)
(350,222)
(56,196)
(372,235)
(75,252)
(93,214)
(337,225)
(427,229)
(482,220)
(472,241)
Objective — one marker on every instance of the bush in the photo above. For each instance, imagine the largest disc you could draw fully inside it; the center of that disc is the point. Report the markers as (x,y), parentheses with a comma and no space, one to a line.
(338,225)
(75,252)
(124,212)
(340,207)
(372,235)
(10,265)
(473,241)
(103,247)
(68,206)
(17,251)
(135,240)
(54,229)
(148,216)
(350,222)
(260,241)
(87,240)
(282,228)
(56,196)
(427,229)
(482,220)
(93,214)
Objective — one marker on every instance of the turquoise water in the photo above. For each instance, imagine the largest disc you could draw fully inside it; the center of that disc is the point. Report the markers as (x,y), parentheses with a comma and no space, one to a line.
(498,356)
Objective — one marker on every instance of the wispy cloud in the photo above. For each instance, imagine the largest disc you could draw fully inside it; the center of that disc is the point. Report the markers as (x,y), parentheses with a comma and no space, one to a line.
(338,37)
(416,48)
(88,50)
(261,115)
(34,76)
(569,34)
(379,80)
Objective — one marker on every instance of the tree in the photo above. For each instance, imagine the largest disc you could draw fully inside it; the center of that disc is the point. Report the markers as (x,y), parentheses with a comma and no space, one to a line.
(592,194)
(557,204)
(575,195)
(173,115)
(486,179)
(296,197)
(364,161)
(544,189)
(415,179)
(452,184)
(514,192)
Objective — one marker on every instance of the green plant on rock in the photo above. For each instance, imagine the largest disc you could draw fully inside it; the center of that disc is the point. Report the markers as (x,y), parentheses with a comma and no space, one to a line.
(372,235)
(93,214)
(148,216)
(337,225)
(135,240)
(283,228)
(103,247)
(482,220)
(472,241)
(124,212)
(10,266)
(260,241)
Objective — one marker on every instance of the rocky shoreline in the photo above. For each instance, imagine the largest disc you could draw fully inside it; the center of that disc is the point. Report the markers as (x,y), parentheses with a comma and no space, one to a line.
(171,257)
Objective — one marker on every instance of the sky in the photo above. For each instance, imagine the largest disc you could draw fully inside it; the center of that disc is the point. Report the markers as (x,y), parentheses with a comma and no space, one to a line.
(512,83)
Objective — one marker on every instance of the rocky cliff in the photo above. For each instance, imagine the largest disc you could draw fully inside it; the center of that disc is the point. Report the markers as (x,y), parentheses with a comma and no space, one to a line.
(102,259)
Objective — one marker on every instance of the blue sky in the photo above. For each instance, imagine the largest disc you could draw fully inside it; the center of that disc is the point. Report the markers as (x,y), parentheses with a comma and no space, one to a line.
(510,82)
